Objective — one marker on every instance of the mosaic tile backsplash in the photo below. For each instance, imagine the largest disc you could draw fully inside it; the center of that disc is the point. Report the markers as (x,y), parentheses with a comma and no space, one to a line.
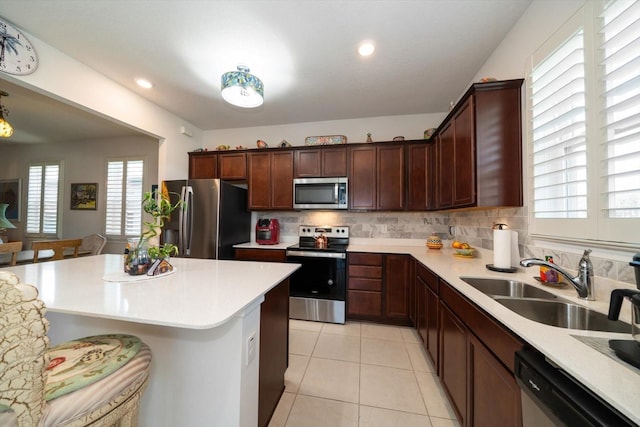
(473,226)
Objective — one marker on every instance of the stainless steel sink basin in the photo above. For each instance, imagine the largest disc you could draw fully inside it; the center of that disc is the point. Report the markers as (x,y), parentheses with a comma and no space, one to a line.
(507,288)
(563,315)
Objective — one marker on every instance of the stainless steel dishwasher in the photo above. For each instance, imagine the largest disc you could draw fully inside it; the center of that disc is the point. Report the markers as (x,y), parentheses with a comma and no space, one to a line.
(551,397)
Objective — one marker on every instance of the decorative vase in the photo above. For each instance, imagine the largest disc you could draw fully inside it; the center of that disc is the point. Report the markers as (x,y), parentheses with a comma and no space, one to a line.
(434,242)
(137,259)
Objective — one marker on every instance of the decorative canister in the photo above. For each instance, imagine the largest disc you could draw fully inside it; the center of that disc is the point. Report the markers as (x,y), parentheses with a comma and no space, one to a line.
(434,242)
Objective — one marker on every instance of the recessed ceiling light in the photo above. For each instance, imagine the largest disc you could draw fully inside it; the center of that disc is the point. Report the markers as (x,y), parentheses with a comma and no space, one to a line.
(144,83)
(366,48)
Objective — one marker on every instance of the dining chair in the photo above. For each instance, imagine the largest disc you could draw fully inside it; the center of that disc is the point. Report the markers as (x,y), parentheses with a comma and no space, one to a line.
(11,248)
(58,247)
(96,381)
(93,244)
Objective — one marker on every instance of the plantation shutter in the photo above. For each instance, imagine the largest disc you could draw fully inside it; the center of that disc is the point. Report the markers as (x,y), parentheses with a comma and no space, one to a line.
(42,199)
(124,197)
(620,82)
(558,117)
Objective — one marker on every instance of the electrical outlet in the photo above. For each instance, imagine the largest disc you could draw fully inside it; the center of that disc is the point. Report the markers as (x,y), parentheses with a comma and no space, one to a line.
(251,348)
(383,228)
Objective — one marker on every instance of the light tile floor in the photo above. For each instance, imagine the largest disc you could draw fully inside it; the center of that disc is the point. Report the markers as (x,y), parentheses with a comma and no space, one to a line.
(359,375)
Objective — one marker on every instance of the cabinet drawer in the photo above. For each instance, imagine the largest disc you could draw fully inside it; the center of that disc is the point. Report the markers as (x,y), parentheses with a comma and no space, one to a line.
(270,255)
(364,303)
(365,259)
(365,284)
(365,271)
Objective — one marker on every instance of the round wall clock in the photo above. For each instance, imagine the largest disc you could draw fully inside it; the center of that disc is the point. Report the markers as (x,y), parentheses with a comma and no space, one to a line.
(17,54)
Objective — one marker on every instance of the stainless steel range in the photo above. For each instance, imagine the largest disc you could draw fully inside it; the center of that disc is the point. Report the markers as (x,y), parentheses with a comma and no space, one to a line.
(319,287)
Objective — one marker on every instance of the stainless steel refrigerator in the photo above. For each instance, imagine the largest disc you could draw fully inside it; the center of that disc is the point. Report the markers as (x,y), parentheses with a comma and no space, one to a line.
(214,218)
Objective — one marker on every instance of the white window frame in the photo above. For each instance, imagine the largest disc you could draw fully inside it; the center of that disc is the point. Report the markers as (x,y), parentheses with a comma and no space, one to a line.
(124,210)
(596,229)
(59,197)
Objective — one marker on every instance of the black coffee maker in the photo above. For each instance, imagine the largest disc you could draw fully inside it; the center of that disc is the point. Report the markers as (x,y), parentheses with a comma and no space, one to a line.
(628,350)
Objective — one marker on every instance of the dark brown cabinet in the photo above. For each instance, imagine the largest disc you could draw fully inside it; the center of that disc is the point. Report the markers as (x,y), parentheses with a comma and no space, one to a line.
(364,286)
(390,175)
(427,285)
(476,362)
(320,162)
(203,165)
(395,288)
(378,287)
(268,255)
(377,177)
(452,369)
(270,180)
(495,392)
(232,166)
(362,178)
(421,176)
(456,168)
(479,148)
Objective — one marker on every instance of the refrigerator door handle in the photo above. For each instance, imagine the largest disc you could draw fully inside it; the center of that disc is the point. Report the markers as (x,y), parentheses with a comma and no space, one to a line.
(185,219)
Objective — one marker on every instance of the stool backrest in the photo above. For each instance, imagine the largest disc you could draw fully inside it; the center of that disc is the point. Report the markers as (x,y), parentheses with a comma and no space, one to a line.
(11,248)
(58,247)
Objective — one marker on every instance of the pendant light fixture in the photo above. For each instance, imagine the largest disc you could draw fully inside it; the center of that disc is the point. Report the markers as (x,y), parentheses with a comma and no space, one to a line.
(6,130)
(242,89)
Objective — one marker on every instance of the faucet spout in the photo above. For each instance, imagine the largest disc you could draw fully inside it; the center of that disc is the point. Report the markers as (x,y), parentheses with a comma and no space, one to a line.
(583,282)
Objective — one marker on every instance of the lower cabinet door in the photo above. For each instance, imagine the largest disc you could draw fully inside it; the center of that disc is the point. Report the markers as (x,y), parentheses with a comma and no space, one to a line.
(495,395)
(453,361)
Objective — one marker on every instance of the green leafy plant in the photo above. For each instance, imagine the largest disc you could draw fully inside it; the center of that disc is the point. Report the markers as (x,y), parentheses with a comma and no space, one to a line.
(159,206)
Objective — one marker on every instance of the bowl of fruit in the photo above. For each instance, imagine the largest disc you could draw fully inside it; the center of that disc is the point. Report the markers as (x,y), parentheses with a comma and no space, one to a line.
(463,249)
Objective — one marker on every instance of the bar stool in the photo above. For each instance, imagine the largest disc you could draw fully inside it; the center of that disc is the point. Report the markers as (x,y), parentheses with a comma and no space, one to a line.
(95,381)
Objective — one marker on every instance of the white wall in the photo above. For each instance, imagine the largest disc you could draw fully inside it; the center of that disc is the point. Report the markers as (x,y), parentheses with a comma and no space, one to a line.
(381,129)
(72,82)
(83,162)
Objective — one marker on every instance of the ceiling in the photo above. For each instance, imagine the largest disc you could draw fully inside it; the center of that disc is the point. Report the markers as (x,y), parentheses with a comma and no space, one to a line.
(427,52)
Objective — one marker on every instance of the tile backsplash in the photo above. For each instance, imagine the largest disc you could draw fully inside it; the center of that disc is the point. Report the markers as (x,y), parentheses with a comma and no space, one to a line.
(472,226)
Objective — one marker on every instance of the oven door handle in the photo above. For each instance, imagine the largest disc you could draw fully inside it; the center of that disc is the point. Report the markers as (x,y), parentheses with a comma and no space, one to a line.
(340,255)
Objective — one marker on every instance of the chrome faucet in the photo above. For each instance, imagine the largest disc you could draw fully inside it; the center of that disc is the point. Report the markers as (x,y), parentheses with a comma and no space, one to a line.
(583,282)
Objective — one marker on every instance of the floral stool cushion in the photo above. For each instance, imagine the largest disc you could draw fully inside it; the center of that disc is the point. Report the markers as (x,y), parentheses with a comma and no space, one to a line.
(76,364)
(90,403)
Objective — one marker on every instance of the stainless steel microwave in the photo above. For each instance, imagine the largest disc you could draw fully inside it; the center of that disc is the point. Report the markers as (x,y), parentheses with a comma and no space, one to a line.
(320,193)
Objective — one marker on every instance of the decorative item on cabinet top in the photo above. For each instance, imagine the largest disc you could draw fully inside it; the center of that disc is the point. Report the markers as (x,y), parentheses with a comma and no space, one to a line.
(325,140)
(261,144)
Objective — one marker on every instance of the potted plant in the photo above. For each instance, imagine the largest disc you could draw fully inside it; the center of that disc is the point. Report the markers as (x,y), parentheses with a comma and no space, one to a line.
(144,251)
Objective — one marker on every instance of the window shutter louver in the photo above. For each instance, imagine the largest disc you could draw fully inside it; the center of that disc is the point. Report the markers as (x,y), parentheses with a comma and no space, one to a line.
(620,33)
(558,115)
(125,180)
(43,199)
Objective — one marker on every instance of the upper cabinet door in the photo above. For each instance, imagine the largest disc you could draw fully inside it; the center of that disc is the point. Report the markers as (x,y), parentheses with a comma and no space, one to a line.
(464,173)
(320,162)
(203,165)
(282,180)
(232,166)
(362,177)
(390,175)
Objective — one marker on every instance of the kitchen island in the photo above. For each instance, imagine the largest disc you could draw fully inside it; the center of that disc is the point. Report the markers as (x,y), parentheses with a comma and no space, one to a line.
(202,322)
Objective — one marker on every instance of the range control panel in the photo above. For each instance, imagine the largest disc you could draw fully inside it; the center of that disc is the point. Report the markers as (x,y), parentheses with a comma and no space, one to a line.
(329,231)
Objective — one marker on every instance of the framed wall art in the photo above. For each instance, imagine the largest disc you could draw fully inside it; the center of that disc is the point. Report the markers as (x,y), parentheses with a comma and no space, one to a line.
(10,194)
(84,196)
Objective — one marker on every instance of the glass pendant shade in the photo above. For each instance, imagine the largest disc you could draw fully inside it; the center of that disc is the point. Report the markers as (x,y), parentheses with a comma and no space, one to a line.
(6,130)
(242,89)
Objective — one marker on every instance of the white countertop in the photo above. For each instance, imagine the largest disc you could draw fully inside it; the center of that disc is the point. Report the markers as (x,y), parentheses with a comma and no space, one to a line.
(201,294)
(615,381)
(254,245)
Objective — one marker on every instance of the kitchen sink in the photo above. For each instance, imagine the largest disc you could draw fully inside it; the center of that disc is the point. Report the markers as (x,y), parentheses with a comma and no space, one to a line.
(563,315)
(507,288)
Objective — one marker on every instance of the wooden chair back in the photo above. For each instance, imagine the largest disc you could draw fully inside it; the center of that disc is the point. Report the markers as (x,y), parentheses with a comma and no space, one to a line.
(11,248)
(58,247)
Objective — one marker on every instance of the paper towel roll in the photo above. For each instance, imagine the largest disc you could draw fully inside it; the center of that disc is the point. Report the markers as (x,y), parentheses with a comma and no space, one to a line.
(502,248)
